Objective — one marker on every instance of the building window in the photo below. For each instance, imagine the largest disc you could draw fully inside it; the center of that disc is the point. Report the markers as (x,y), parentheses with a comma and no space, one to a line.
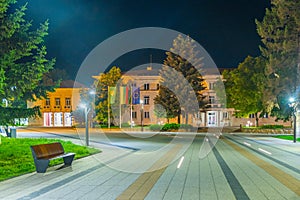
(211,99)
(57,101)
(157,86)
(225,115)
(146,100)
(47,102)
(134,115)
(211,85)
(252,116)
(68,101)
(146,86)
(146,115)
(265,115)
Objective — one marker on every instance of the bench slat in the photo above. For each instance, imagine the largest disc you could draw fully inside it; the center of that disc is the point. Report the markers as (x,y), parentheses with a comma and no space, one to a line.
(48,150)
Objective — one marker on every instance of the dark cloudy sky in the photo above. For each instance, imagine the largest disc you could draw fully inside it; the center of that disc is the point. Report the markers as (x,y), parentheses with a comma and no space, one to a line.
(226,29)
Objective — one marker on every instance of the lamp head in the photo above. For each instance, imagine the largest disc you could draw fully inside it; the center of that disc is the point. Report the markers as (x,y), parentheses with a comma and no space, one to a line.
(291,99)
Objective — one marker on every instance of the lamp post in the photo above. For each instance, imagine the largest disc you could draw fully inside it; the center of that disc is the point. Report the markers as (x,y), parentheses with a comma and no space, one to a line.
(86,112)
(142,113)
(293,105)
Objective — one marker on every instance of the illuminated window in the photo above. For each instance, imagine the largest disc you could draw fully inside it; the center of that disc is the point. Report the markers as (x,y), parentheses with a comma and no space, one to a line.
(133,114)
(146,86)
(211,99)
(57,101)
(146,115)
(47,102)
(146,100)
(68,101)
(211,85)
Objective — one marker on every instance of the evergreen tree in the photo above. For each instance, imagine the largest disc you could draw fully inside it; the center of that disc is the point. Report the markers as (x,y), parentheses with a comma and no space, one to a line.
(23,60)
(179,75)
(280,34)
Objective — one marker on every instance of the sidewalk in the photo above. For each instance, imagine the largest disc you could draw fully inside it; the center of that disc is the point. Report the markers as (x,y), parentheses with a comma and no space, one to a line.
(230,171)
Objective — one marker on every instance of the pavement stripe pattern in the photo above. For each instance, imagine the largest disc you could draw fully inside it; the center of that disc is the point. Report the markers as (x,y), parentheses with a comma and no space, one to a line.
(141,187)
(286,179)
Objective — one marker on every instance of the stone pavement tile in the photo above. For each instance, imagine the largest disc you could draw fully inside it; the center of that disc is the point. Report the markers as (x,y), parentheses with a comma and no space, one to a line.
(257,183)
(207,186)
(222,187)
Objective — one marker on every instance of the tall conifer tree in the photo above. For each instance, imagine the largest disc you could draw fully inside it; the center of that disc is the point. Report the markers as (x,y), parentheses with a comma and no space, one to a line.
(184,61)
(280,34)
(23,60)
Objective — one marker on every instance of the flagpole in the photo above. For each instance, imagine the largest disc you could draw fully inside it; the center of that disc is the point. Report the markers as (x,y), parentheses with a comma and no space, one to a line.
(108,110)
(131,106)
(120,107)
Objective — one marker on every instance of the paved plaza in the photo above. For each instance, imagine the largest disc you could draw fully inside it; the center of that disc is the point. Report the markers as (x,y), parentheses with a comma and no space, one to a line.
(239,166)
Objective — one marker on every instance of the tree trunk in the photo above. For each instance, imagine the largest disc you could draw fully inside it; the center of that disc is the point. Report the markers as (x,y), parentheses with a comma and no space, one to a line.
(256,120)
(178,119)
(186,118)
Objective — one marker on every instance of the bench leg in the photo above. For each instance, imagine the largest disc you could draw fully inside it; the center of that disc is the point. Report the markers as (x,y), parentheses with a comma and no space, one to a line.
(41,165)
(68,160)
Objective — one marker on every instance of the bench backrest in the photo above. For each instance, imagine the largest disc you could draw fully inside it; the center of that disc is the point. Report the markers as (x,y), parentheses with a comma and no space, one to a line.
(44,151)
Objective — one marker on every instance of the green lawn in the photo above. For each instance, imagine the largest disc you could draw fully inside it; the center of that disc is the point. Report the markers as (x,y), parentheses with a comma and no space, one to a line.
(16,158)
(286,137)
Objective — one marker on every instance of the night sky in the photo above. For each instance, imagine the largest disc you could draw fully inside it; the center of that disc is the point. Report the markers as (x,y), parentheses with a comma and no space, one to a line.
(226,29)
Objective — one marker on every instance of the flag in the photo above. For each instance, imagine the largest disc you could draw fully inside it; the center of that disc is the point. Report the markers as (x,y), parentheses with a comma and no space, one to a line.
(124,95)
(111,95)
(135,95)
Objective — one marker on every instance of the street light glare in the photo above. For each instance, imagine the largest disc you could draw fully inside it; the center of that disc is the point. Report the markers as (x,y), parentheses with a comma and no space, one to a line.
(292,99)
(82,105)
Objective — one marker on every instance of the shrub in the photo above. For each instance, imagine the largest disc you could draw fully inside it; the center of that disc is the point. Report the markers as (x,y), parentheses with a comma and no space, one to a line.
(268,126)
(125,125)
(171,126)
(186,126)
(155,127)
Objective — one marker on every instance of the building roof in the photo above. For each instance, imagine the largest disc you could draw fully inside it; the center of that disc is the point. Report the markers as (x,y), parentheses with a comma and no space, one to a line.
(71,84)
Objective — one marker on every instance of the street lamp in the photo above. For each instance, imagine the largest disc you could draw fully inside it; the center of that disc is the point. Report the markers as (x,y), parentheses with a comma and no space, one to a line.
(86,112)
(142,112)
(293,105)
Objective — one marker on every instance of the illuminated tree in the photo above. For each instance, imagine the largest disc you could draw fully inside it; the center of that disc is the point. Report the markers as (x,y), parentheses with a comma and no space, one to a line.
(244,87)
(280,34)
(180,62)
(23,61)
(105,79)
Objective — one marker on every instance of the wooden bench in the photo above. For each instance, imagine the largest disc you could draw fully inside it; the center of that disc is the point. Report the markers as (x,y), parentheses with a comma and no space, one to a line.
(43,153)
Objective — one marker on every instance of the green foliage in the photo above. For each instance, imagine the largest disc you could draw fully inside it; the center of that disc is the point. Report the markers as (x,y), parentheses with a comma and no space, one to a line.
(280,33)
(181,71)
(244,86)
(171,126)
(155,127)
(269,126)
(186,127)
(23,61)
(105,79)
(125,125)
(16,158)
(8,115)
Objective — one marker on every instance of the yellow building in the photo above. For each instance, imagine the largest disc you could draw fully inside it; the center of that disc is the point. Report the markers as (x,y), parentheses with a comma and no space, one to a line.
(57,107)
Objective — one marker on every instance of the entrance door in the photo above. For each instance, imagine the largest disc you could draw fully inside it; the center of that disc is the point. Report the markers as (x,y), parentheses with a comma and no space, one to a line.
(58,119)
(48,119)
(212,118)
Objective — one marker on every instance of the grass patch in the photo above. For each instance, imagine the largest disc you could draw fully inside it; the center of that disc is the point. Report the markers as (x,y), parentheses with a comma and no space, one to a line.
(16,158)
(286,137)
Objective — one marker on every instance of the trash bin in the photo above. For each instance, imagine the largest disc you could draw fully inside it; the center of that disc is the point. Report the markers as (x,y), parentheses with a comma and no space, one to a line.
(13,132)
